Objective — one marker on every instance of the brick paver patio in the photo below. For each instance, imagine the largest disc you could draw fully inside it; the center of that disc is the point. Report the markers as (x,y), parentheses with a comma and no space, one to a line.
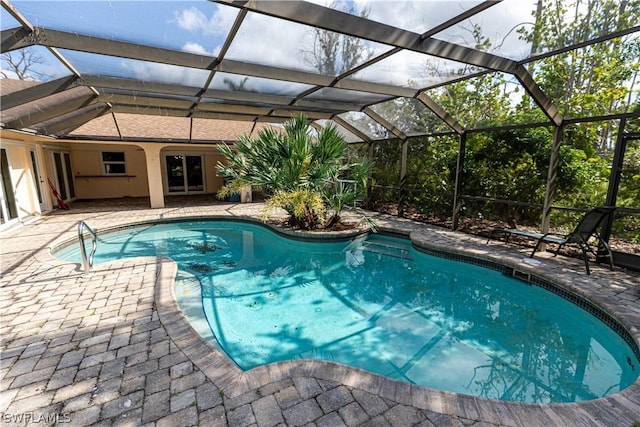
(111,347)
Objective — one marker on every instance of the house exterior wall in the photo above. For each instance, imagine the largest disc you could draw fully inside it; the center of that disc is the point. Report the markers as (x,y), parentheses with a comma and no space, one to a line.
(23,180)
(91,180)
(210,158)
(92,183)
(214,182)
(86,173)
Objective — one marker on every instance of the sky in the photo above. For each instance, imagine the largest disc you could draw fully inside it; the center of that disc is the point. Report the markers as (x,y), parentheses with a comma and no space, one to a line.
(200,26)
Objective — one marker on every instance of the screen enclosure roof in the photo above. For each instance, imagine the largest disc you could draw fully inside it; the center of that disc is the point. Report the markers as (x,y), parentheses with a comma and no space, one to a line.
(205,71)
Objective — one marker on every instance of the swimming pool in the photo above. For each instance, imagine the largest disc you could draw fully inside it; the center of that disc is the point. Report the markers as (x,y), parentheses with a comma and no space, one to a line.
(381,305)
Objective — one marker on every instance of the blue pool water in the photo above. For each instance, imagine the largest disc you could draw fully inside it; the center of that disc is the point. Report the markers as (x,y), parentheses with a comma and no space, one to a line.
(380,305)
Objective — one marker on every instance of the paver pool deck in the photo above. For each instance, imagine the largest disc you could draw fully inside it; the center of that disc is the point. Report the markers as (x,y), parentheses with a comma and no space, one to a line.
(112,347)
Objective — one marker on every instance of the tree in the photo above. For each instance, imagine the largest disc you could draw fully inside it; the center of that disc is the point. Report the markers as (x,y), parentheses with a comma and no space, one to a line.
(595,80)
(22,64)
(237,87)
(411,116)
(305,176)
(508,164)
(478,101)
(431,174)
(334,53)
(386,170)
(599,79)
(474,102)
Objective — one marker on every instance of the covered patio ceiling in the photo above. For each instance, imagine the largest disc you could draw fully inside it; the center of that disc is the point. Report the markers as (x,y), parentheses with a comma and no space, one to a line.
(188,65)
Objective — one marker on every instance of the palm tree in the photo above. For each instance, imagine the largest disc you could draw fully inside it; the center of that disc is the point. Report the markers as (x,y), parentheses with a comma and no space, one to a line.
(296,171)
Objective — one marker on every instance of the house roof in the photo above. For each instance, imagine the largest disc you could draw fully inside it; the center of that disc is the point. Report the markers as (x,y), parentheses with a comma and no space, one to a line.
(8,86)
(153,128)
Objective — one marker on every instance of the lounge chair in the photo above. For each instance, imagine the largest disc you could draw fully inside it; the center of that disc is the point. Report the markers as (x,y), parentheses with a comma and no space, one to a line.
(586,229)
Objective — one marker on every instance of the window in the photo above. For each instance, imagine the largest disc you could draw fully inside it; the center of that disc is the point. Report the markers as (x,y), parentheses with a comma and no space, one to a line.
(184,173)
(113,163)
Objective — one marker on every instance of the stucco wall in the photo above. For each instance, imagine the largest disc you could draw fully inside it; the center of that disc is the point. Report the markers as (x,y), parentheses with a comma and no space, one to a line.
(21,178)
(214,182)
(211,157)
(92,183)
(89,180)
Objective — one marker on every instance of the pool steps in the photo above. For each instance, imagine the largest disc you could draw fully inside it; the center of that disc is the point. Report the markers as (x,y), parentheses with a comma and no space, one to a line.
(393,249)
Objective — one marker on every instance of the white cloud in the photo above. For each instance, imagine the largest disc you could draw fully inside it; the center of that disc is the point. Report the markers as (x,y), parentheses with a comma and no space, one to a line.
(498,24)
(191,19)
(422,15)
(412,15)
(164,73)
(194,20)
(271,41)
(205,31)
(196,48)
(277,42)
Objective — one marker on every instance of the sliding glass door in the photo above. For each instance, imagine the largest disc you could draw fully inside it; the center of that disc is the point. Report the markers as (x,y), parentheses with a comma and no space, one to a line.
(8,205)
(184,173)
(37,179)
(64,175)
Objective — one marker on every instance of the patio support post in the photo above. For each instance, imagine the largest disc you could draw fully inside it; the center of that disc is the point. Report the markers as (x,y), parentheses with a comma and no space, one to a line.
(552,176)
(369,196)
(154,174)
(614,181)
(457,204)
(403,177)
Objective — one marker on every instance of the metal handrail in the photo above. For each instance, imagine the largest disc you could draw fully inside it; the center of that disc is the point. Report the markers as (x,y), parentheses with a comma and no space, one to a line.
(87,263)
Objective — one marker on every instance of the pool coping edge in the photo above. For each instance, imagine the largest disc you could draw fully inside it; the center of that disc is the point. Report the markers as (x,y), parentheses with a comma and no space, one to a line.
(235,382)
